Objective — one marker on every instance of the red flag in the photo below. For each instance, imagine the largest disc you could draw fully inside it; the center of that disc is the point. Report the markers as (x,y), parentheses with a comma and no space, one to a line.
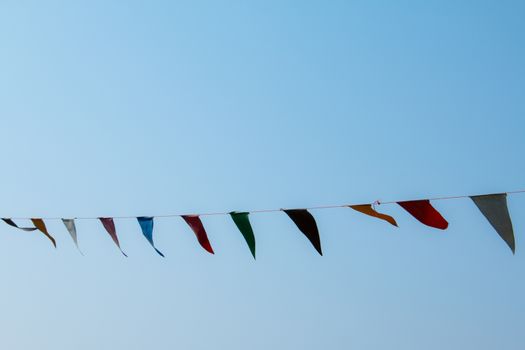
(195,224)
(423,211)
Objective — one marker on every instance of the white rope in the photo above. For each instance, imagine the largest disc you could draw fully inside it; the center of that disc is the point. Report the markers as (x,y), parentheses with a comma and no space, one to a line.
(257,211)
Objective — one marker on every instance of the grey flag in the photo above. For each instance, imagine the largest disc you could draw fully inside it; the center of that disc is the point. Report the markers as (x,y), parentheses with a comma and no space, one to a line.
(71,228)
(494,207)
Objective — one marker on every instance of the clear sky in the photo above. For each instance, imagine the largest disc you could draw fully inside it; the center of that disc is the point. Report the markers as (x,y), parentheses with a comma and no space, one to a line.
(155,107)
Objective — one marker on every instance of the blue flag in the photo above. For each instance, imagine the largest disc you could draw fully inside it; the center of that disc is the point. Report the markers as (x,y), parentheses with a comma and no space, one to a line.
(146,224)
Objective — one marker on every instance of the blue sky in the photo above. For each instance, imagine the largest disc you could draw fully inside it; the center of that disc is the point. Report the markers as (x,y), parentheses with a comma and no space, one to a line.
(143,108)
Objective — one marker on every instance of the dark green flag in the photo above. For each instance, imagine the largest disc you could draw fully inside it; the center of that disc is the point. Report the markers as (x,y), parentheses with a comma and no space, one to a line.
(306,224)
(243,224)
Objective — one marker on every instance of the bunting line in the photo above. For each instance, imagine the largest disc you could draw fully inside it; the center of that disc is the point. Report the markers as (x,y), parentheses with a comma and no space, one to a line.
(258,211)
(493,206)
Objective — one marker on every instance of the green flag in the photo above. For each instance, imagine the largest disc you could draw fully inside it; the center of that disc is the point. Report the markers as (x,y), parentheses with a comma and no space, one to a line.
(243,224)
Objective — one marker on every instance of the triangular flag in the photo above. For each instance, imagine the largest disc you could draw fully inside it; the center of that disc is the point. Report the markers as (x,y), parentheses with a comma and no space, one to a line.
(41,226)
(305,222)
(146,224)
(494,208)
(423,211)
(242,221)
(195,224)
(71,228)
(109,225)
(369,210)
(12,223)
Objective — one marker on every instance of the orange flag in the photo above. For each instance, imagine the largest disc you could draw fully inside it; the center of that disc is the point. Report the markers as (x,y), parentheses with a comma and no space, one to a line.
(369,210)
(41,226)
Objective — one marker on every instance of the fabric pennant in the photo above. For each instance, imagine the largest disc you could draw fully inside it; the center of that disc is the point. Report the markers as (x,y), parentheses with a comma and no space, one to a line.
(41,226)
(305,222)
(195,224)
(494,208)
(13,224)
(109,225)
(425,213)
(146,224)
(242,221)
(71,228)
(368,209)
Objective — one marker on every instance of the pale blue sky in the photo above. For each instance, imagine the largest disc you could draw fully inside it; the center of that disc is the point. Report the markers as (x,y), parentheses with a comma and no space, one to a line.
(155,107)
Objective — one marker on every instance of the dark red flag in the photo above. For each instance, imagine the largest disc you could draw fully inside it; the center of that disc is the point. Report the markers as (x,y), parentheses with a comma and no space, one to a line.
(423,211)
(195,224)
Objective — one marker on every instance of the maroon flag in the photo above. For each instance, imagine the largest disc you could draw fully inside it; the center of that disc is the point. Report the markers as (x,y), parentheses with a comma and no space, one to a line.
(195,224)
(423,211)
(109,225)
(305,222)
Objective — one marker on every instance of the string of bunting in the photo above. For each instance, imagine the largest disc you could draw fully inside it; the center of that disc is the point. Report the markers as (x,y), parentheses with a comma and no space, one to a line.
(492,206)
